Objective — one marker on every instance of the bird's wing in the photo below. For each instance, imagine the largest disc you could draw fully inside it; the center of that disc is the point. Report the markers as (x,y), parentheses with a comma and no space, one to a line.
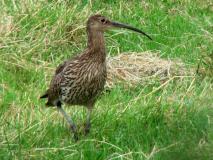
(60,67)
(54,90)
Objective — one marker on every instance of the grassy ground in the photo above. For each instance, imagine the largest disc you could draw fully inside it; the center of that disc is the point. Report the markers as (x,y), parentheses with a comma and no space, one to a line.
(173,122)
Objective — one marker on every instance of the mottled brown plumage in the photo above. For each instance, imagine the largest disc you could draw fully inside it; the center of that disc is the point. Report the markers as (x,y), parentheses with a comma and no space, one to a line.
(79,81)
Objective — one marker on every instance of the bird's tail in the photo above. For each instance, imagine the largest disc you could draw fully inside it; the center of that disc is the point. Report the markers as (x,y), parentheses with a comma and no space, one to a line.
(49,102)
(45,95)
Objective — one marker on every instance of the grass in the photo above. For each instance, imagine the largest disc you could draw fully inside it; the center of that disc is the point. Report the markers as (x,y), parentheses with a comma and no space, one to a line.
(154,121)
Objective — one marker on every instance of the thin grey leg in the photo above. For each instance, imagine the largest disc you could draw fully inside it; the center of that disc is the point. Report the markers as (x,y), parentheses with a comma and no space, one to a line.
(88,123)
(69,120)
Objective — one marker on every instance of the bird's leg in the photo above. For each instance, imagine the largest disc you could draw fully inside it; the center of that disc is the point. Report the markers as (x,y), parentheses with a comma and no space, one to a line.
(69,120)
(88,124)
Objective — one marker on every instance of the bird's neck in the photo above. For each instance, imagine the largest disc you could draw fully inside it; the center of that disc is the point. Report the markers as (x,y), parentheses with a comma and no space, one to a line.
(96,44)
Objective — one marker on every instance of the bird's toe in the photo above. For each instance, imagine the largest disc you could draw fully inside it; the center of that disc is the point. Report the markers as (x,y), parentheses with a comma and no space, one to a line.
(75,137)
(87,128)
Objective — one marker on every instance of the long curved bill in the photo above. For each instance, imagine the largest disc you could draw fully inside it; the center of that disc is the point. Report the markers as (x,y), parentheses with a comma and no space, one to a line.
(120,25)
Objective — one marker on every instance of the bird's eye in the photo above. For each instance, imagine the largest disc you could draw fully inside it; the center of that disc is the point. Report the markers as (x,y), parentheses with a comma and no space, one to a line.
(103,20)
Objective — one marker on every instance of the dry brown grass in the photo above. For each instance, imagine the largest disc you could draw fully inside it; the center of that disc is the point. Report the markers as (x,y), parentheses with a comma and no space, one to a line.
(133,68)
(6,24)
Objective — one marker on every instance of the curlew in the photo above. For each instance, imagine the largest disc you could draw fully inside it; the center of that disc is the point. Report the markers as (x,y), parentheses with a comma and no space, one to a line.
(80,80)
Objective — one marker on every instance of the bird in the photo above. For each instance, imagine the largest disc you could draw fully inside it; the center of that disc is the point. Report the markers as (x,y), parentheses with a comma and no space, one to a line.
(81,79)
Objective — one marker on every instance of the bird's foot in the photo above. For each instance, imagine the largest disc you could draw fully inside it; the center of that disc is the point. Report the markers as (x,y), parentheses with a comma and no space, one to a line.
(75,137)
(74,131)
(87,128)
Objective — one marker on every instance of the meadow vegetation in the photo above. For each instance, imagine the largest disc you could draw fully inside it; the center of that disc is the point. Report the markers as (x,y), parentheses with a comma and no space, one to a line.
(155,121)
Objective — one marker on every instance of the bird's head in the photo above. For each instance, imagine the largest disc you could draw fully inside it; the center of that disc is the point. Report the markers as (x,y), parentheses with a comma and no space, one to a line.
(101,23)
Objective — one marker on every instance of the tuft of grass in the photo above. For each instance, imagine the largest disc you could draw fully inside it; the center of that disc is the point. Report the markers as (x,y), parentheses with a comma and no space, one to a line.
(159,120)
(205,66)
